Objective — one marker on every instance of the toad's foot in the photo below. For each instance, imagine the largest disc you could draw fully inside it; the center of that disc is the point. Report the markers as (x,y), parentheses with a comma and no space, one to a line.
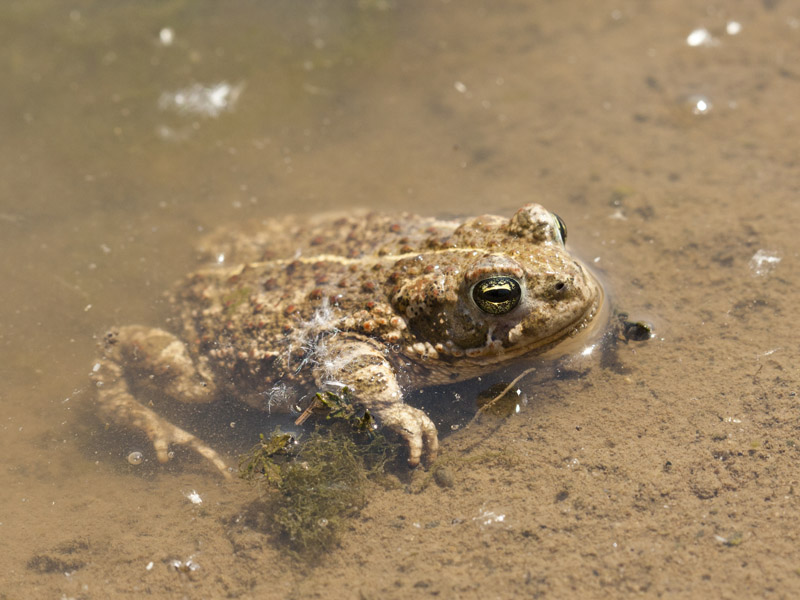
(414,427)
(116,403)
(163,433)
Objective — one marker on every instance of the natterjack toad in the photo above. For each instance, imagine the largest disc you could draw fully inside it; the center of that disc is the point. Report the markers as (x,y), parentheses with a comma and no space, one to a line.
(380,304)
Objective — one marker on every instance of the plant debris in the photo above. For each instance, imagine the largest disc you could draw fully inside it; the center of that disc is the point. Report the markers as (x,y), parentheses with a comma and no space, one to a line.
(313,485)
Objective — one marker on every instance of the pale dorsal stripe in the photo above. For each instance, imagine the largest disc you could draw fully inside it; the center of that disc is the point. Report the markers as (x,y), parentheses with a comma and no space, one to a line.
(342,260)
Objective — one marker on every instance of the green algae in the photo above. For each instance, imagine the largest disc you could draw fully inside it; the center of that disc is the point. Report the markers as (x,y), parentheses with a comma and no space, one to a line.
(314,485)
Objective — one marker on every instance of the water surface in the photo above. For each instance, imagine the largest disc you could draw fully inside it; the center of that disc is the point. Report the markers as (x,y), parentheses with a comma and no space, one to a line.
(131,129)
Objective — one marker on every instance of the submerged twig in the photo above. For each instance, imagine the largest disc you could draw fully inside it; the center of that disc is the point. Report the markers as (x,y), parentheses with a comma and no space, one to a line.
(487,406)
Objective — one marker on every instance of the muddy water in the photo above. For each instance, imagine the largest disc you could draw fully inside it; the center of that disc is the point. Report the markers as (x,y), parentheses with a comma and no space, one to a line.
(674,165)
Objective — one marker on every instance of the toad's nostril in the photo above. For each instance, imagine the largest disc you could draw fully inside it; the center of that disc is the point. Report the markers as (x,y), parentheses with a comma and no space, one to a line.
(562,290)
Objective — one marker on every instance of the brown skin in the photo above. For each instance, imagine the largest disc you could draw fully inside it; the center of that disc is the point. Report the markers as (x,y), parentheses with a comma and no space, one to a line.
(380,304)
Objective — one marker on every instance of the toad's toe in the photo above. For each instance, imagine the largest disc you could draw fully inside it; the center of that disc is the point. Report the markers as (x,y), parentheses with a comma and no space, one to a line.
(415,428)
(163,434)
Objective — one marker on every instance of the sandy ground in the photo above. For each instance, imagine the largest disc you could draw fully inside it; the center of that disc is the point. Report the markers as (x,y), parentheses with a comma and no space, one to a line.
(675,167)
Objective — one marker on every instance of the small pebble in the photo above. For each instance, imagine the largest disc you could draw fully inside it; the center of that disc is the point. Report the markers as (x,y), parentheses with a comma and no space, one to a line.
(444,477)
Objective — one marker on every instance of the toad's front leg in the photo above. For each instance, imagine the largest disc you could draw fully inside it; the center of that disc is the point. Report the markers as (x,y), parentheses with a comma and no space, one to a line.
(362,366)
(160,360)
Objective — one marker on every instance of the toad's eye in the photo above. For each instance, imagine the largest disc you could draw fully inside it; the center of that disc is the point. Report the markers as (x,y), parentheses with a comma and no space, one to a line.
(561,227)
(497,295)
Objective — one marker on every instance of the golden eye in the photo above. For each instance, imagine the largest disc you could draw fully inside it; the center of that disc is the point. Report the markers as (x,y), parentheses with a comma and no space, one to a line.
(497,295)
(562,228)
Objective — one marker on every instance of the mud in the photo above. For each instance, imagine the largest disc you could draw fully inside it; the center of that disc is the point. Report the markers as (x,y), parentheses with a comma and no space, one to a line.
(669,472)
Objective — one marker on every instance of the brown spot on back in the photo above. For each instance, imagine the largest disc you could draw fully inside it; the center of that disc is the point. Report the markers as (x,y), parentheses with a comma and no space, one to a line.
(292,267)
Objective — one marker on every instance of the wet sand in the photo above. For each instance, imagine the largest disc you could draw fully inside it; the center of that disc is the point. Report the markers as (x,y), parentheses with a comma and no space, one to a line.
(675,167)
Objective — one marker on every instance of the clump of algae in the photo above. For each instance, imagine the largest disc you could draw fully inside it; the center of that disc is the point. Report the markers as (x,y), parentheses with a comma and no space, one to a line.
(312,486)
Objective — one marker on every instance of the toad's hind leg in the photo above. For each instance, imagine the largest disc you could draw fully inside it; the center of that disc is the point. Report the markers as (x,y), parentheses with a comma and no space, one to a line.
(160,360)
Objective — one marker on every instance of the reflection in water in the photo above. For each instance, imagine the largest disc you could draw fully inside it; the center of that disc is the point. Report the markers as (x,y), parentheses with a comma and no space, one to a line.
(764,262)
(202,100)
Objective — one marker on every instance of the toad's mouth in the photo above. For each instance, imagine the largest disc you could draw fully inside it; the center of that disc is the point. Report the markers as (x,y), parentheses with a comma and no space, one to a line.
(587,320)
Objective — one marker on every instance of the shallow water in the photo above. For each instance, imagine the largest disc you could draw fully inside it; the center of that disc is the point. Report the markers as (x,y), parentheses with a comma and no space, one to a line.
(675,476)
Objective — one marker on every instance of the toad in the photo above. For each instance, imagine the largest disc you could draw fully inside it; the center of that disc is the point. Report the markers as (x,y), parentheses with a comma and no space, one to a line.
(379,304)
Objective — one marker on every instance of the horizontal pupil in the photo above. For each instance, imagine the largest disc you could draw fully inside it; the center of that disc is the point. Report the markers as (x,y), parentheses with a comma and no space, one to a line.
(497,294)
